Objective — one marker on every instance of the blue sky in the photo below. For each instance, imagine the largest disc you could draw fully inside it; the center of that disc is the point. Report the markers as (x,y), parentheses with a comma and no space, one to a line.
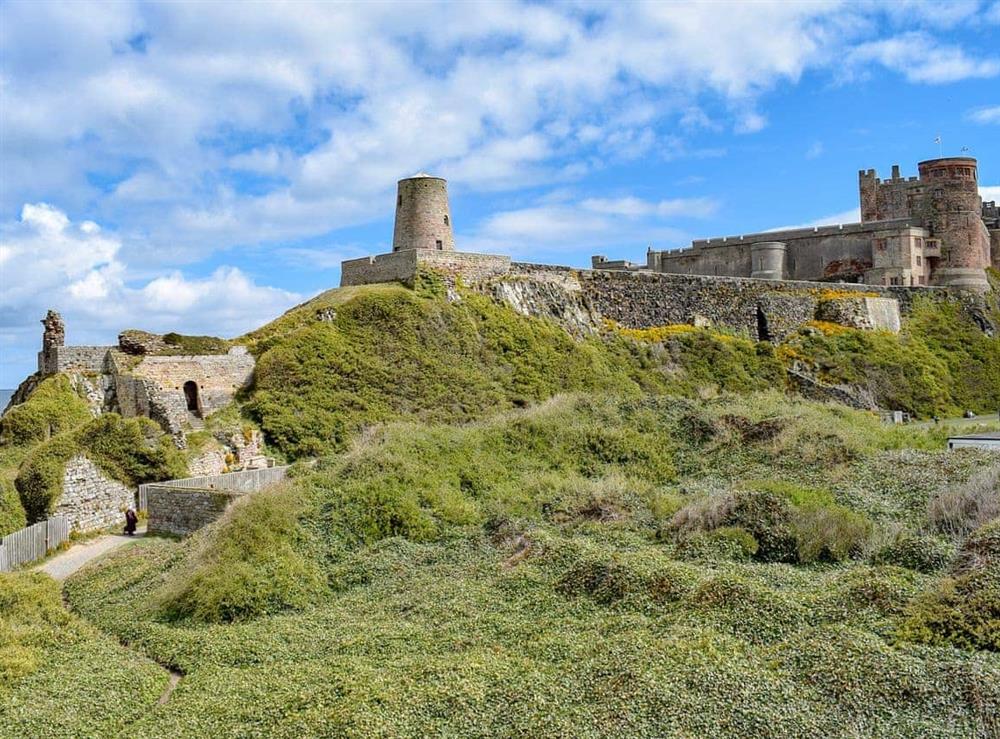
(203,167)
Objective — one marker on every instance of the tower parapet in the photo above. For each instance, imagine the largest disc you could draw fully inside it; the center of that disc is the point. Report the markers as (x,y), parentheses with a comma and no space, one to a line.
(768,260)
(423,218)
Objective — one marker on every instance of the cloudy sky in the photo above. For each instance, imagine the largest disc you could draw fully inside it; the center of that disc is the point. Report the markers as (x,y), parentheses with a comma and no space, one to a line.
(201,167)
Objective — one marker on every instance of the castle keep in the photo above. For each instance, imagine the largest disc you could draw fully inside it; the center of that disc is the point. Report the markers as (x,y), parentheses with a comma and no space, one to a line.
(932,229)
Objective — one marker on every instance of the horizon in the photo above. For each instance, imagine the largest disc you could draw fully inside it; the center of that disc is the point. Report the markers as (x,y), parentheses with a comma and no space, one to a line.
(179,168)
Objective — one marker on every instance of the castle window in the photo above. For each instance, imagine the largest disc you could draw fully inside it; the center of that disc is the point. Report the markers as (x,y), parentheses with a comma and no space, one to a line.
(399,200)
(919,260)
(439,244)
(446,220)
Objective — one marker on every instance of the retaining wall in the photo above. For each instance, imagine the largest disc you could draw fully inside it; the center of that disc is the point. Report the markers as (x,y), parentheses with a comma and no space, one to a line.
(181,507)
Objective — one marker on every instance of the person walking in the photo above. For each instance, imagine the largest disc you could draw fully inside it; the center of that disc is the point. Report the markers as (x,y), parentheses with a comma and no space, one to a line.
(131,519)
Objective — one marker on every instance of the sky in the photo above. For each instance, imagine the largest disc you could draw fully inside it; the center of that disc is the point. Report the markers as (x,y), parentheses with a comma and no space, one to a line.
(202,167)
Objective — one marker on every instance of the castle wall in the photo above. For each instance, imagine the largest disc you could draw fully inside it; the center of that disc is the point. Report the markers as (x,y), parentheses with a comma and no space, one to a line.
(995,248)
(401,266)
(649,299)
(90,499)
(72,359)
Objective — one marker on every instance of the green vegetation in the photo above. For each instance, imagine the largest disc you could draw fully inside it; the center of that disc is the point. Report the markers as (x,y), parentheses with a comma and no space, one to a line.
(391,353)
(529,574)
(131,450)
(52,408)
(59,676)
(181,344)
(511,532)
(941,363)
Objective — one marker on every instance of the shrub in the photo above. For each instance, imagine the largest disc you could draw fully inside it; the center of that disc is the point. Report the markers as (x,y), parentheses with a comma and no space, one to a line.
(727,542)
(919,552)
(51,409)
(131,451)
(765,516)
(960,509)
(964,609)
(252,562)
(829,533)
(12,515)
(177,344)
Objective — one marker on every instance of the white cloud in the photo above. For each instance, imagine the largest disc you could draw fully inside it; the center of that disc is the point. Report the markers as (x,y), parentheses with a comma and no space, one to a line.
(920,58)
(47,261)
(986,114)
(815,150)
(990,192)
(493,96)
(853,215)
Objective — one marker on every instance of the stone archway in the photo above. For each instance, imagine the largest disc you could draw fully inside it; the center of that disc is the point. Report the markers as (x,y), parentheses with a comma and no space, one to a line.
(191,396)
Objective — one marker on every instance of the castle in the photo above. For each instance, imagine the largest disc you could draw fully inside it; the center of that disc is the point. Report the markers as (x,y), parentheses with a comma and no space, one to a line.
(930,230)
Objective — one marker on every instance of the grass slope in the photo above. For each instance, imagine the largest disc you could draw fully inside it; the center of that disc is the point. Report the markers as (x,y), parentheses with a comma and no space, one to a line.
(595,566)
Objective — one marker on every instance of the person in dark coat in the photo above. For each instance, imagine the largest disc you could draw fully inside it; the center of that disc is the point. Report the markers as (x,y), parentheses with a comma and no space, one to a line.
(130,522)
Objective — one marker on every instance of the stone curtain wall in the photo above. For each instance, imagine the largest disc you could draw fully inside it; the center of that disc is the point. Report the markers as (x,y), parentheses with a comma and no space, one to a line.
(78,358)
(182,511)
(218,376)
(90,499)
(402,266)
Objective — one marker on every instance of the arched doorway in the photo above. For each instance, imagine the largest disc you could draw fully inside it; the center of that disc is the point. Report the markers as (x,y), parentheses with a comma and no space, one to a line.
(191,396)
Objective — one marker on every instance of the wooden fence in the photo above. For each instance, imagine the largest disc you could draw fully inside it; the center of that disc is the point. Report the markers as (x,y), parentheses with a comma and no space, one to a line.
(32,543)
(243,482)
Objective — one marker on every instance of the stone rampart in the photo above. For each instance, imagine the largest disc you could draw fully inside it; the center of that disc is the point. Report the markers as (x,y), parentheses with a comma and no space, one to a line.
(90,499)
(759,308)
(402,266)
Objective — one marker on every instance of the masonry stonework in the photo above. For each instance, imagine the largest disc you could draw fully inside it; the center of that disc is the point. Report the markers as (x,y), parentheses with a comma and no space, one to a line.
(91,500)
(180,512)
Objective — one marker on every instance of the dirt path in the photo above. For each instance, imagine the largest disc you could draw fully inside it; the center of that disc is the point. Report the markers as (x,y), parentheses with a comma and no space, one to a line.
(63,565)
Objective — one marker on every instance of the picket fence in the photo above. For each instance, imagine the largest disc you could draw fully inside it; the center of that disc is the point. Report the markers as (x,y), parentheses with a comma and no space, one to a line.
(32,543)
(243,482)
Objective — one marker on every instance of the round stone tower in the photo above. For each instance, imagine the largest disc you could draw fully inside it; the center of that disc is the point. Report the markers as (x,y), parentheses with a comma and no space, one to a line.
(423,219)
(767,259)
(953,212)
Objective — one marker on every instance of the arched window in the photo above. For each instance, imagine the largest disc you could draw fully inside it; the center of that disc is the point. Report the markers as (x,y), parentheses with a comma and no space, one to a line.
(191,396)
(446,220)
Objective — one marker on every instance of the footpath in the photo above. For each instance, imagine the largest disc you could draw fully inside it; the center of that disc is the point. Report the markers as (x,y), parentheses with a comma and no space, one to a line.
(65,564)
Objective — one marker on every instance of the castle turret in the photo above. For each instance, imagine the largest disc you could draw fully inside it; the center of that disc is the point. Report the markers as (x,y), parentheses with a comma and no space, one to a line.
(768,260)
(953,213)
(423,218)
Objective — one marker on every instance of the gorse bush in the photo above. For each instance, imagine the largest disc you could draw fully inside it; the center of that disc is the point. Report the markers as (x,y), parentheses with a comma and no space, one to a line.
(829,533)
(130,450)
(52,408)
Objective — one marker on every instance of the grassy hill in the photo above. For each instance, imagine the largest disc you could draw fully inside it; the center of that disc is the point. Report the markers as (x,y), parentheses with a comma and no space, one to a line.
(498,530)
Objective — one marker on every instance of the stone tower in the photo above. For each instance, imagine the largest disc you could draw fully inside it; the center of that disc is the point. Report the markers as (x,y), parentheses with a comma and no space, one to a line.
(423,219)
(953,212)
(53,337)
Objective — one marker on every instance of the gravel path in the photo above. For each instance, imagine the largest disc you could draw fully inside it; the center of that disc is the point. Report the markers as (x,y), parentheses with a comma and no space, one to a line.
(63,565)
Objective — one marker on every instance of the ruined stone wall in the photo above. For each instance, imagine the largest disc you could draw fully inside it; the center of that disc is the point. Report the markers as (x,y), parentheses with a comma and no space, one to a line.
(74,359)
(995,248)
(218,376)
(182,511)
(91,500)
(402,266)
(646,299)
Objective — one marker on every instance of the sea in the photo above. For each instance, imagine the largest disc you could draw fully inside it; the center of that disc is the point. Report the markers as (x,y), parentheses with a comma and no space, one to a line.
(5,398)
